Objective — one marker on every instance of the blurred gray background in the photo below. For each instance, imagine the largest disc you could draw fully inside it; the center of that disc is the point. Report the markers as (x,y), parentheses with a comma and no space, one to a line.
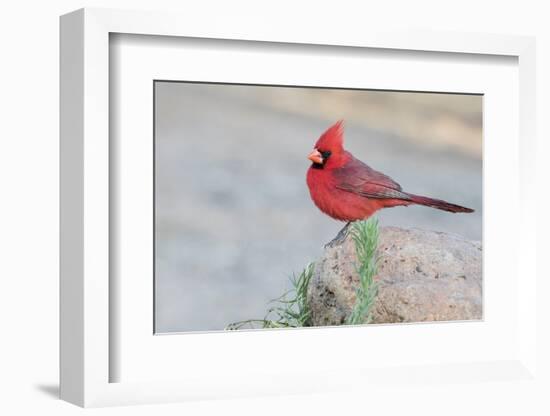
(233,214)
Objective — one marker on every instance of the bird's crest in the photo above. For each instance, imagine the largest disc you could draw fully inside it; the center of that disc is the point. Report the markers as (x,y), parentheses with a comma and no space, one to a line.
(333,138)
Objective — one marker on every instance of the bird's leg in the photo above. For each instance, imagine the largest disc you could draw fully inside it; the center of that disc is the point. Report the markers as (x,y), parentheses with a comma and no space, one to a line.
(340,237)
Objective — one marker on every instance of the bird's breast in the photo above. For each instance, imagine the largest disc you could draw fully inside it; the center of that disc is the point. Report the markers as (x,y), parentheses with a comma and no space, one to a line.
(335,202)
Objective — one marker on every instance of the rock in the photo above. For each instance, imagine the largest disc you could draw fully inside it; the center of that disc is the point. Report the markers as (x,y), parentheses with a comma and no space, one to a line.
(422,276)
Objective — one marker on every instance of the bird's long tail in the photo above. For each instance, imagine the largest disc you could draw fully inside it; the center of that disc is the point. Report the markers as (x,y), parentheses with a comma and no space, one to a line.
(438,203)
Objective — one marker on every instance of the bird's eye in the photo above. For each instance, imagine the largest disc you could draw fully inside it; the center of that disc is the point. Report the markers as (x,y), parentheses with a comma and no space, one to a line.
(326,154)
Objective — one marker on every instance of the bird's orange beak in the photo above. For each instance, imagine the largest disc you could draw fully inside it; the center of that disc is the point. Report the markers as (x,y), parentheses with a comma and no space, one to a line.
(315,157)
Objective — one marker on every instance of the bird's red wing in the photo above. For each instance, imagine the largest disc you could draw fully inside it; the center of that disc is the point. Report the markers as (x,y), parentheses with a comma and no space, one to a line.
(374,190)
(361,179)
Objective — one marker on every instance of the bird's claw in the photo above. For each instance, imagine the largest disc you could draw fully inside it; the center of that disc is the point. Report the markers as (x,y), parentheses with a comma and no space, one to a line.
(340,237)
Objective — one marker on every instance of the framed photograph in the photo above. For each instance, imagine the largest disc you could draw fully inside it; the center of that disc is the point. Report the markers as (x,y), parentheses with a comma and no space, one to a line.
(248,213)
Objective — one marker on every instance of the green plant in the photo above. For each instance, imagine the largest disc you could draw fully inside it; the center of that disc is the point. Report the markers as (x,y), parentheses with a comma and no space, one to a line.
(290,310)
(365,238)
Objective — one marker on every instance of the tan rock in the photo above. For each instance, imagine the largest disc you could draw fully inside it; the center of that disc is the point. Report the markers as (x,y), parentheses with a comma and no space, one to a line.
(422,276)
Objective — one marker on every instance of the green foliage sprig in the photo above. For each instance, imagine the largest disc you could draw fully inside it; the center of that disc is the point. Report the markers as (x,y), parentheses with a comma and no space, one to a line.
(365,236)
(290,310)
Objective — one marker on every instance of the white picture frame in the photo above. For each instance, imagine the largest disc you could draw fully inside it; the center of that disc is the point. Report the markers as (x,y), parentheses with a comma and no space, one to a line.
(87,302)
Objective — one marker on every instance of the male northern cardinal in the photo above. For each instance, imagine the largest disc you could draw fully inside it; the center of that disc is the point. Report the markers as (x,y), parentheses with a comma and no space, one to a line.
(347,189)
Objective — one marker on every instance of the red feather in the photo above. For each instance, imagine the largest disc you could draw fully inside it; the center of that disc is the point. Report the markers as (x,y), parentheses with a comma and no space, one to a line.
(333,138)
(347,189)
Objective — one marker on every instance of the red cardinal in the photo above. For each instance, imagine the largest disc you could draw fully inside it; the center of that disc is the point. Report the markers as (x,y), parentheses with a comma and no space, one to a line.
(347,189)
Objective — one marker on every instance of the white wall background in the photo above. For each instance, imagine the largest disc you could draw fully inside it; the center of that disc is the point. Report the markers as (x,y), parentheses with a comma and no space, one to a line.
(29,208)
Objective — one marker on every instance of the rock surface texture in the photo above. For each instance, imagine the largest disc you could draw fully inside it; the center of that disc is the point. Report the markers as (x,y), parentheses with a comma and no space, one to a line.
(422,276)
